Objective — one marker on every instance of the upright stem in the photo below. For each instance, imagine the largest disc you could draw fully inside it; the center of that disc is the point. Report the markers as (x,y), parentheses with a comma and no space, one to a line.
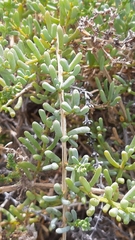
(64,131)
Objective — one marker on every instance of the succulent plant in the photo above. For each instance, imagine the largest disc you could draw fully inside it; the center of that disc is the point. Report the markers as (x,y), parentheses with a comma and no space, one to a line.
(48,50)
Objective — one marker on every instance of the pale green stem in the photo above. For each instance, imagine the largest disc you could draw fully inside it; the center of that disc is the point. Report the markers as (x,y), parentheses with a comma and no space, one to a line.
(64,131)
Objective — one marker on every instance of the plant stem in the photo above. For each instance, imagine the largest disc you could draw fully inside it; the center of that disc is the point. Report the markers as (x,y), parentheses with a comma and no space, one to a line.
(64,130)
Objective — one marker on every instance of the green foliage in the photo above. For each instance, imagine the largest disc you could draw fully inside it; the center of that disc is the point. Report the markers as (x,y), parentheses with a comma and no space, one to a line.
(13,173)
(45,65)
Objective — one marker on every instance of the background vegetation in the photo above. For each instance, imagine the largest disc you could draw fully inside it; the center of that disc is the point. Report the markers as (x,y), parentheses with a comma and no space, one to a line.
(67,119)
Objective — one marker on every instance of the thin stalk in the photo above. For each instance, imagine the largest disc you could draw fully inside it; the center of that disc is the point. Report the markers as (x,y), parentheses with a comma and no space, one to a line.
(26,89)
(64,131)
